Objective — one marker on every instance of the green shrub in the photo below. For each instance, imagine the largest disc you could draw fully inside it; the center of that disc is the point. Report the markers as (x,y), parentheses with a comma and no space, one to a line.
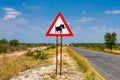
(50,47)
(40,55)
(14,42)
(29,53)
(37,54)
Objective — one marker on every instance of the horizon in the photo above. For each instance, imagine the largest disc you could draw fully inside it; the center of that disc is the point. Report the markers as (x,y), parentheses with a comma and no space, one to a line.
(28,20)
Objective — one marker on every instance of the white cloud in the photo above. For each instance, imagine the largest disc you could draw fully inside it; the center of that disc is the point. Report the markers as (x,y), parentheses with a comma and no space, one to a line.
(30,7)
(104,29)
(111,30)
(8,17)
(113,12)
(85,19)
(8,9)
(11,13)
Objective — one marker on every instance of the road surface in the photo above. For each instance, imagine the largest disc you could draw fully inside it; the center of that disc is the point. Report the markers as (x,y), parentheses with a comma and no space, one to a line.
(108,65)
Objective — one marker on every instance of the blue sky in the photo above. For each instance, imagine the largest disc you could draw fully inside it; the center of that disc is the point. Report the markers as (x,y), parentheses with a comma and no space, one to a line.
(29,20)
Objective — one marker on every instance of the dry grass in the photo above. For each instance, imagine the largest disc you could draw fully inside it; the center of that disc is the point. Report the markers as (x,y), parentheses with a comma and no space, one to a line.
(112,51)
(10,66)
(85,67)
(50,51)
(116,51)
(53,75)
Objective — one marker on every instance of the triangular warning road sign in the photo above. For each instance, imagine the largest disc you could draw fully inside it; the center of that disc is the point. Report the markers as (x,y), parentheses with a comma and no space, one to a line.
(59,27)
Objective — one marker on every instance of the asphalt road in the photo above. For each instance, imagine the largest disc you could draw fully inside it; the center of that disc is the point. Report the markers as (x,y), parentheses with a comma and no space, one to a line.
(108,65)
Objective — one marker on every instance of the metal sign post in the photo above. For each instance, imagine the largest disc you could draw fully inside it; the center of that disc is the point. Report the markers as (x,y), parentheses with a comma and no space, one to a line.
(56,53)
(61,56)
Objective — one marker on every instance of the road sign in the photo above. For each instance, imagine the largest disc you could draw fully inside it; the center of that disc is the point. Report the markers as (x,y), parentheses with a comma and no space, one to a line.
(59,27)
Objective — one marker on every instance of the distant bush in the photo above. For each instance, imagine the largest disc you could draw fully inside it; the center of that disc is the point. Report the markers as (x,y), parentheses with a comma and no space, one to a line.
(14,42)
(35,44)
(14,45)
(94,46)
(29,53)
(3,41)
(11,46)
(50,47)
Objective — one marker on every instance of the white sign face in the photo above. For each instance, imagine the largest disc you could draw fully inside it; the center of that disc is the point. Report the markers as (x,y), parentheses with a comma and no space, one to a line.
(59,28)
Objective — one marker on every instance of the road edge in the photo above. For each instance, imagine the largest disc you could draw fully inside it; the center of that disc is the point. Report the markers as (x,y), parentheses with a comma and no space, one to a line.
(100,76)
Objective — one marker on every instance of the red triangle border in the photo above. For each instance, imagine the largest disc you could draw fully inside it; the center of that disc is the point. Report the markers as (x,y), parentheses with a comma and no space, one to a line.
(65,23)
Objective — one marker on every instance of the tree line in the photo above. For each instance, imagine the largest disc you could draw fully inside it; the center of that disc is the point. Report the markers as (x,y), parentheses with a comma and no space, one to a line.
(110,43)
(15,45)
(10,46)
(13,42)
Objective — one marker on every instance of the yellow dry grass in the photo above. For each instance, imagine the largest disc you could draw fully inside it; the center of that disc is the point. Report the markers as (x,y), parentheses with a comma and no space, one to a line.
(116,51)
(112,51)
(10,66)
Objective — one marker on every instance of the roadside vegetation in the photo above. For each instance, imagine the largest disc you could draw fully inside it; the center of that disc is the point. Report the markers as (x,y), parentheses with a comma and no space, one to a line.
(85,67)
(110,45)
(51,47)
(14,45)
(11,65)
(37,54)
(98,47)
(10,46)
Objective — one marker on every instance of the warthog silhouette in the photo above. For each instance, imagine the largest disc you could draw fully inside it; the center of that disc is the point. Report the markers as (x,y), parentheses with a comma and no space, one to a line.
(58,29)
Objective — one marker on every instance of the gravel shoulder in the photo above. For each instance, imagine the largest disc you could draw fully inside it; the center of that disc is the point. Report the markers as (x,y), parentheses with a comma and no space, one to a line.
(70,71)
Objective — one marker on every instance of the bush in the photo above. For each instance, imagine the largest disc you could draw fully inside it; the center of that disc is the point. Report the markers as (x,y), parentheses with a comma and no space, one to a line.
(29,53)
(14,42)
(50,47)
(11,46)
(3,41)
(40,55)
(37,54)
